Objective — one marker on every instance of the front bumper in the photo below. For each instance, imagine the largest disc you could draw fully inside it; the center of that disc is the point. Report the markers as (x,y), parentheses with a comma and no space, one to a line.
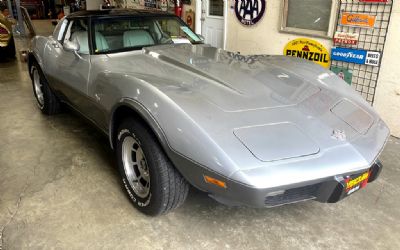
(329,190)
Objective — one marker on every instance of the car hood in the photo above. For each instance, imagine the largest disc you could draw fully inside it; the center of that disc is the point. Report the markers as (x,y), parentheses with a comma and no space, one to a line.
(259,107)
(236,82)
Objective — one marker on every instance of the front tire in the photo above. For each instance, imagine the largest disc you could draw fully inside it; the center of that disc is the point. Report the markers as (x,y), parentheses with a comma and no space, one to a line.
(151,181)
(47,102)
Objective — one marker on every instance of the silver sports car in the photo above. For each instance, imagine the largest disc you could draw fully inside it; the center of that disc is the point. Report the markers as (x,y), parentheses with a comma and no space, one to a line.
(260,130)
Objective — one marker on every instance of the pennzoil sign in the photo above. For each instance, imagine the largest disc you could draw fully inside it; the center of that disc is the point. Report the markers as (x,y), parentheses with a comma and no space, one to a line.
(308,49)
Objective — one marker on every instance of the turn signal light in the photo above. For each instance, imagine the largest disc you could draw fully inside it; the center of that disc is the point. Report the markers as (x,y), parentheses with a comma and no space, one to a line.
(214,181)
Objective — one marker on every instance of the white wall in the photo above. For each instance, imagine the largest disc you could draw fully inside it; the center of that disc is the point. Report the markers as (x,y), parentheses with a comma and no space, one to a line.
(265,38)
(387,96)
(93,4)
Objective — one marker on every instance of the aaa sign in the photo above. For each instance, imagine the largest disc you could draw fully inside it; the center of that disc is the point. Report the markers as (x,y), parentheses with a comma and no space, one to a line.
(308,49)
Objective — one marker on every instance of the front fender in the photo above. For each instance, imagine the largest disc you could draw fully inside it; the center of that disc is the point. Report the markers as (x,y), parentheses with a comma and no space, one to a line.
(139,109)
(173,124)
(36,52)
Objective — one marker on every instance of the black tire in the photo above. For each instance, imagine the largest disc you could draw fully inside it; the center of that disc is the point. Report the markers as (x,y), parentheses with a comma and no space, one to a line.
(48,103)
(10,49)
(167,188)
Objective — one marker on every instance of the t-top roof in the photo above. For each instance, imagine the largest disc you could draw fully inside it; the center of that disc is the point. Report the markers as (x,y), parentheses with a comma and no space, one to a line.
(118,12)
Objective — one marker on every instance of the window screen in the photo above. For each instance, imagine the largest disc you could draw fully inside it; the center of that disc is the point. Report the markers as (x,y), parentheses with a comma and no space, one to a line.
(309,14)
(309,17)
(216,8)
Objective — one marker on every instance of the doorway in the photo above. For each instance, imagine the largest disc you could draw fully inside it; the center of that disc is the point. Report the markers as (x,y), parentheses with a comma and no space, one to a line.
(213,22)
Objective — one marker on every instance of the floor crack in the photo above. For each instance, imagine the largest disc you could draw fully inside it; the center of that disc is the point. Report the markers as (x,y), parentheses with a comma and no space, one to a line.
(12,215)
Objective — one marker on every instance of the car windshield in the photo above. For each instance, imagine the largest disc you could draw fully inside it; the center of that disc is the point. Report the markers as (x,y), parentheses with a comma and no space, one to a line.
(124,34)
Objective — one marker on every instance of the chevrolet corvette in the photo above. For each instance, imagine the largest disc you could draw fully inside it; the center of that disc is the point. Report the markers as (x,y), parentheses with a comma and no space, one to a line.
(258,131)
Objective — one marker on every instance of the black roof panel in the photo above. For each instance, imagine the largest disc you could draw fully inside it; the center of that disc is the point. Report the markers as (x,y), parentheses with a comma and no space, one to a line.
(119,12)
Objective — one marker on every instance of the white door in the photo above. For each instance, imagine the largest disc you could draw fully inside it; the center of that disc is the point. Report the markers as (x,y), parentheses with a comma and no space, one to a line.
(212,27)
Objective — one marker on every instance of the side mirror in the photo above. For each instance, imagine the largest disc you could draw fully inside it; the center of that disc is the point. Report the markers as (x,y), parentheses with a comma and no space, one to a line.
(71,46)
(201,37)
(54,23)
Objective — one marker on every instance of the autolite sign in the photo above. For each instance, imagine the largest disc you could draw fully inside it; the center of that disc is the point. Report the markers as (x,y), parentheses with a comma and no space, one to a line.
(308,49)
(345,38)
(373,1)
(357,20)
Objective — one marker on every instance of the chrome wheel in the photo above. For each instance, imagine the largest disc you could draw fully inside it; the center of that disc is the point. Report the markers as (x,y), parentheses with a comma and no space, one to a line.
(135,167)
(37,85)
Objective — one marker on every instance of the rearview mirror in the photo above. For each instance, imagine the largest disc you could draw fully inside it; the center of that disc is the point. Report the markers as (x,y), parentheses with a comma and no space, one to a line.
(71,46)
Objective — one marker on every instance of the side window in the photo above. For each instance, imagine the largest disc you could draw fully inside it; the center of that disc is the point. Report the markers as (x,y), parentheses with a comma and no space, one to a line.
(78,30)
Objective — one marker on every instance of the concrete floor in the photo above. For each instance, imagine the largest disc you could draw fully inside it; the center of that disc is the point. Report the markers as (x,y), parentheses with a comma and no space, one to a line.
(59,189)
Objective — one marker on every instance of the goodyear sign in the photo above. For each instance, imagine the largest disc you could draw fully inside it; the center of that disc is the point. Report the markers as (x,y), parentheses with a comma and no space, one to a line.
(308,49)
(356,56)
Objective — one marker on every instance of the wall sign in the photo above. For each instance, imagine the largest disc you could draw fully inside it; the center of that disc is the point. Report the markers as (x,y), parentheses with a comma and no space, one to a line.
(345,38)
(343,73)
(249,12)
(308,49)
(349,55)
(356,56)
(373,1)
(150,3)
(358,20)
(373,58)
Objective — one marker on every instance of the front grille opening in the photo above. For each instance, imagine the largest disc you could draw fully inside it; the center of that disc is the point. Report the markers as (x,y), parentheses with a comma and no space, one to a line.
(293,195)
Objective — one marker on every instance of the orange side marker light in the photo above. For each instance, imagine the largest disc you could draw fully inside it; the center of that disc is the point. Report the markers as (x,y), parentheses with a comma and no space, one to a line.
(214,181)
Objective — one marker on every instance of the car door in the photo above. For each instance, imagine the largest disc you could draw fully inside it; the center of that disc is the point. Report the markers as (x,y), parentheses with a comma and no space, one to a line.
(68,71)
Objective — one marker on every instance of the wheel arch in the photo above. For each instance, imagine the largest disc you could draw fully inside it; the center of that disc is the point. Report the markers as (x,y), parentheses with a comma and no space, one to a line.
(31,58)
(131,108)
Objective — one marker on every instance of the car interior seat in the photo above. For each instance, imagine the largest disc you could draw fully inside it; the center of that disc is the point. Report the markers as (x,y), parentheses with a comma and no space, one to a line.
(83,40)
(101,42)
(133,38)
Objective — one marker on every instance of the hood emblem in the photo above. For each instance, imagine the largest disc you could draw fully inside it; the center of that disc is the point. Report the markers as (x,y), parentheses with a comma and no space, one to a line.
(338,134)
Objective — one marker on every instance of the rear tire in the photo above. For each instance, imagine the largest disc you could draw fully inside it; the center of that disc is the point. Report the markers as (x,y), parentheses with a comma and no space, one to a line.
(151,181)
(10,49)
(47,102)
(8,52)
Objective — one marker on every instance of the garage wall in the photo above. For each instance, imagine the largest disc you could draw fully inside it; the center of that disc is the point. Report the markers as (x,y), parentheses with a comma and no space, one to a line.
(387,96)
(265,38)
